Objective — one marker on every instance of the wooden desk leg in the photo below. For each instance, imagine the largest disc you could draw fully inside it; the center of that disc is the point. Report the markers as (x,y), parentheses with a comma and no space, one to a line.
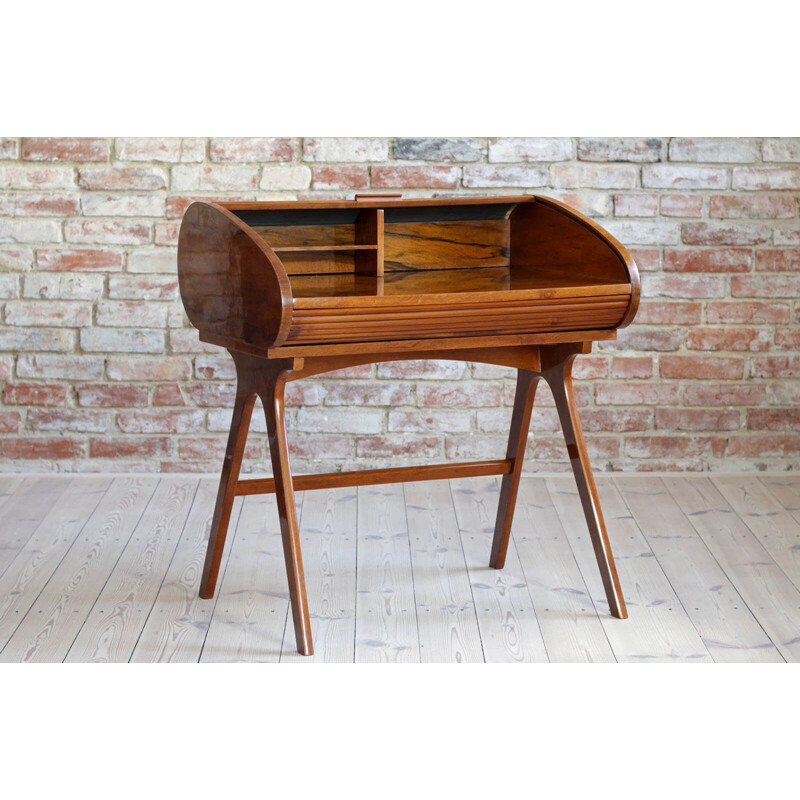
(272,394)
(517,441)
(557,371)
(237,438)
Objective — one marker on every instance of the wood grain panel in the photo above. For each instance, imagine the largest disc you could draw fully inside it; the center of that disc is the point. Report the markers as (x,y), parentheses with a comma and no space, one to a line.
(446,245)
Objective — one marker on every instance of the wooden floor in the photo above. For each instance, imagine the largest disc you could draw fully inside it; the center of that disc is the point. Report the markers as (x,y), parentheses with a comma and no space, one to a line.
(107,568)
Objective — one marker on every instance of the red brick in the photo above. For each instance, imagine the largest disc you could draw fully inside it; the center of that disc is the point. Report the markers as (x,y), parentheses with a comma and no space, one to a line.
(775,366)
(764,445)
(409,176)
(702,367)
(54,149)
(654,312)
(169,394)
(10,421)
(399,445)
(83,260)
(765,286)
(712,338)
(773,419)
(681,205)
(161,420)
(144,368)
(646,260)
(35,448)
(763,206)
(747,313)
(122,178)
(109,395)
(129,447)
(632,367)
(636,394)
(252,149)
(787,339)
(731,233)
(729,260)
(635,205)
(724,394)
(697,419)
(778,260)
(34,394)
(352,177)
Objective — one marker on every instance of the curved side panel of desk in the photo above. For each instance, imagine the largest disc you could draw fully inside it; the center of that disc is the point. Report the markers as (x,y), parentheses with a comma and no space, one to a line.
(548,233)
(233,286)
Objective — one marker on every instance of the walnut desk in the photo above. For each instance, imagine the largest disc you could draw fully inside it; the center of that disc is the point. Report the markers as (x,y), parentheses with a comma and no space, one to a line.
(294,289)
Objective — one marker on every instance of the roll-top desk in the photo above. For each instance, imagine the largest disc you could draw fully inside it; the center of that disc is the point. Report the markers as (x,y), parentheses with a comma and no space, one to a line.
(295,289)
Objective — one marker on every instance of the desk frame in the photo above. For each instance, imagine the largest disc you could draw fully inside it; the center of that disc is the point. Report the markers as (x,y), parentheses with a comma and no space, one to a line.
(543,356)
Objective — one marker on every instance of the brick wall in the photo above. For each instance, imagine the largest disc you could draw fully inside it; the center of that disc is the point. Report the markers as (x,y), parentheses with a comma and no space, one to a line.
(99,370)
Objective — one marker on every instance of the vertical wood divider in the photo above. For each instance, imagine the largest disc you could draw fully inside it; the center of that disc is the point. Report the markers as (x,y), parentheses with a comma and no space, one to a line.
(369,230)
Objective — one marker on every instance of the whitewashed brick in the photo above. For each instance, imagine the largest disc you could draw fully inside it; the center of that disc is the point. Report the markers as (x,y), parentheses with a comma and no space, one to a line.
(673,176)
(110,340)
(781,149)
(714,150)
(214,178)
(606,176)
(636,150)
(157,260)
(630,232)
(29,230)
(48,313)
(123,205)
(530,149)
(333,149)
(489,175)
(286,177)
(79,368)
(438,149)
(57,286)
(336,420)
(170,150)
